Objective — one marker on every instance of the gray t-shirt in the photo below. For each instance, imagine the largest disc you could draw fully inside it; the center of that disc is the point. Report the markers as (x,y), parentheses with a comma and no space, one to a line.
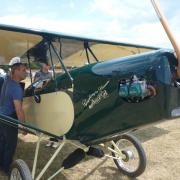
(11,90)
(42,75)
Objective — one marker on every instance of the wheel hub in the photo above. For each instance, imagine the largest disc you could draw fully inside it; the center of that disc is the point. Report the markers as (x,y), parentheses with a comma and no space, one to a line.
(128,155)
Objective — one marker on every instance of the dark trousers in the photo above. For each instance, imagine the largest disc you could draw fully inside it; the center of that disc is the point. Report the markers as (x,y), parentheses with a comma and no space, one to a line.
(8,142)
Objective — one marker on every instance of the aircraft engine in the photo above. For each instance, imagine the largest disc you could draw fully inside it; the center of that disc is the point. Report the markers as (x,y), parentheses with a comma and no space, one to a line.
(136,89)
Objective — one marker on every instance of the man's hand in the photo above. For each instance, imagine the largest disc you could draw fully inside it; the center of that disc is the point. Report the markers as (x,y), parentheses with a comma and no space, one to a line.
(23,129)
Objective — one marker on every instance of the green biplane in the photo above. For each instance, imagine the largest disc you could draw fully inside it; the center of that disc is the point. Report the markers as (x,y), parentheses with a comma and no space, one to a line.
(100,91)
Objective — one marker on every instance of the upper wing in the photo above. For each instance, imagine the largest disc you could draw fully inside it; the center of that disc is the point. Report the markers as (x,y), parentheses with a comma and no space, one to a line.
(16,41)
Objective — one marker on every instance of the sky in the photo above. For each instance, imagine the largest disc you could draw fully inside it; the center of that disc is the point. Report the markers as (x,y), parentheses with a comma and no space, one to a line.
(132,21)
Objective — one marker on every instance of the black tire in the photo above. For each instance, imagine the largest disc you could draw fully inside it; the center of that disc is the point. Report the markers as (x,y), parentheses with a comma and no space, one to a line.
(20,171)
(141,166)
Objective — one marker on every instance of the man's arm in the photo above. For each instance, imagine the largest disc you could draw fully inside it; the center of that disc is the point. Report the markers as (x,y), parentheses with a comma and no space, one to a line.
(19,110)
(37,76)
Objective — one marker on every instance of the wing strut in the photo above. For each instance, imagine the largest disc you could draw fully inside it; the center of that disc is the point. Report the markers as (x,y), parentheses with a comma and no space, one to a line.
(61,62)
(54,74)
(86,46)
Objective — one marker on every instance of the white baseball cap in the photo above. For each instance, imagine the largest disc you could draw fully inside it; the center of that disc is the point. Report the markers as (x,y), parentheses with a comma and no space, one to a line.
(14,60)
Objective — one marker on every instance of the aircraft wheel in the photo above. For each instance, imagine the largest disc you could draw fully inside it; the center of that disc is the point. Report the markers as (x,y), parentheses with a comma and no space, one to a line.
(132,159)
(20,171)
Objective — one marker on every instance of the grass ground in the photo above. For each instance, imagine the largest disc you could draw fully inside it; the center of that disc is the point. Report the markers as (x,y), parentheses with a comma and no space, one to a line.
(161,143)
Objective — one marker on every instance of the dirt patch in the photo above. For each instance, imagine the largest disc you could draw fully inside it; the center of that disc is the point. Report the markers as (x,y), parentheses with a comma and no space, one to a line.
(161,144)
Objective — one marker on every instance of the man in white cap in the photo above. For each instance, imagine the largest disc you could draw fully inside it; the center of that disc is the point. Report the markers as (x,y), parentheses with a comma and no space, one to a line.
(14,60)
(11,105)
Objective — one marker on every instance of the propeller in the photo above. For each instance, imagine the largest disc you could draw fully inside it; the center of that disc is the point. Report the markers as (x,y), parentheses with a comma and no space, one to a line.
(168,31)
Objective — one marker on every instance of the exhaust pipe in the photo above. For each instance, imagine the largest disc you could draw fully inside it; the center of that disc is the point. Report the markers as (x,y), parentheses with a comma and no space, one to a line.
(169,33)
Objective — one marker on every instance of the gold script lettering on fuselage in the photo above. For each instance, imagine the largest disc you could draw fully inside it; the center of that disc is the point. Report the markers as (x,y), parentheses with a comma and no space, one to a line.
(96,97)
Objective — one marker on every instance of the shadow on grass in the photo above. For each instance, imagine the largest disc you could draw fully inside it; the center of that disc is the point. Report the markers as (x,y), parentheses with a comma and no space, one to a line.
(107,172)
(113,174)
(149,133)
